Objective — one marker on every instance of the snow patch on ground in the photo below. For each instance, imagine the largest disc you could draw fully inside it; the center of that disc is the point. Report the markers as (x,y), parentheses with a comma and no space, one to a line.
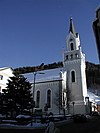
(35,125)
(23,116)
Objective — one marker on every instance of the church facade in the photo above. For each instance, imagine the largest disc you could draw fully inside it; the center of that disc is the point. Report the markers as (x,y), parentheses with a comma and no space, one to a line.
(64,90)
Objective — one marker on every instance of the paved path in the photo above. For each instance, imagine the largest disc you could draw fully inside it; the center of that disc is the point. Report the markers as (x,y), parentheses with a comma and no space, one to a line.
(91,126)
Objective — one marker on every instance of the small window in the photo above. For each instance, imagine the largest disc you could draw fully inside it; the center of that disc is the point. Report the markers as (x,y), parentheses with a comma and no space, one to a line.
(49,98)
(76,55)
(73,76)
(71,56)
(72,46)
(0,88)
(38,99)
(66,57)
(71,39)
(1,77)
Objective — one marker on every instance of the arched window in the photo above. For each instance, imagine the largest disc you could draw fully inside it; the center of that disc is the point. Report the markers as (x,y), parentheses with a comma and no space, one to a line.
(1,77)
(49,98)
(71,46)
(38,99)
(73,76)
(0,89)
(66,57)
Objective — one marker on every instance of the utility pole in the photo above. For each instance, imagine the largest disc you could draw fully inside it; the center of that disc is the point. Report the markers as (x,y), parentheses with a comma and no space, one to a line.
(33,92)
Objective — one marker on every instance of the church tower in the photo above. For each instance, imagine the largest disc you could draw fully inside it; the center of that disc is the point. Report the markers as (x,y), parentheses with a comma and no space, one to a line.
(74,67)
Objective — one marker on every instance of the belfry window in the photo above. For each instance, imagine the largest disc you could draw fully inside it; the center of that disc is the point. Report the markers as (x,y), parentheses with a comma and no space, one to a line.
(76,55)
(71,46)
(49,98)
(71,56)
(38,99)
(73,76)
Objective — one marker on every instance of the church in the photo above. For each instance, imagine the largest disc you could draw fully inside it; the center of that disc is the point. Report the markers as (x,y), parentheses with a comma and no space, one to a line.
(64,89)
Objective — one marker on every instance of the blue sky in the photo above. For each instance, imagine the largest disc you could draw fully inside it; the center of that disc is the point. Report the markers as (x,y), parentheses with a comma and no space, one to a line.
(34,31)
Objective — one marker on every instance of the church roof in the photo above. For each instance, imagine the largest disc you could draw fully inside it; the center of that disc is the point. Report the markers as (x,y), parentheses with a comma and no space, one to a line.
(49,75)
(5,68)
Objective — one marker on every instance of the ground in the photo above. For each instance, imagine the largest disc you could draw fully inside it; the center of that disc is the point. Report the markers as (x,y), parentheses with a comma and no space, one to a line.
(91,126)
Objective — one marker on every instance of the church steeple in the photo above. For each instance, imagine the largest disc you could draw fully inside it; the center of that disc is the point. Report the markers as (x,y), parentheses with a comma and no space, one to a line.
(72,29)
(75,78)
(73,41)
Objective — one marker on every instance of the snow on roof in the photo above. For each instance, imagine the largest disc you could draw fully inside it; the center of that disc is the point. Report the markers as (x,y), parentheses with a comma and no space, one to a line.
(3,68)
(93,98)
(51,74)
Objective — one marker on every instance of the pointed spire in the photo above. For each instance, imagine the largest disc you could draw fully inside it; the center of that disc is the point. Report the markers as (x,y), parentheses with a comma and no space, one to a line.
(72,27)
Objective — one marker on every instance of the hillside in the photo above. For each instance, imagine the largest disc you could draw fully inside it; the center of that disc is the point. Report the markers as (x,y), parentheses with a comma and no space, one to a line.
(92,74)
(92,71)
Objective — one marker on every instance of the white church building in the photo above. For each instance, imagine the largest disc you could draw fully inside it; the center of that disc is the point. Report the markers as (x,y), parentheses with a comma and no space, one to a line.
(64,89)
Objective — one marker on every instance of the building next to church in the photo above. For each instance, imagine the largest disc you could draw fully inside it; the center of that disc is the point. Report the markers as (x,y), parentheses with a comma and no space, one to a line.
(64,89)
(96,29)
(5,73)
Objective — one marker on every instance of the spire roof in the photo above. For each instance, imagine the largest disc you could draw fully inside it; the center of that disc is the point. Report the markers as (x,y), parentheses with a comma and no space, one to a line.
(72,29)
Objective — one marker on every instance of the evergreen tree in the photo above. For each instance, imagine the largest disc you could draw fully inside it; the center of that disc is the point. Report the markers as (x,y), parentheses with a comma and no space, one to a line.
(18,95)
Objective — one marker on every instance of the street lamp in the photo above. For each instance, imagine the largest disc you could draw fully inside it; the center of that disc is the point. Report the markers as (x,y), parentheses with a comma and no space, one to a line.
(34,79)
(73,107)
(34,74)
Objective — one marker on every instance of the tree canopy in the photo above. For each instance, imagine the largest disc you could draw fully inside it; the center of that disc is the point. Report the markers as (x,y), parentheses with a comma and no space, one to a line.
(18,95)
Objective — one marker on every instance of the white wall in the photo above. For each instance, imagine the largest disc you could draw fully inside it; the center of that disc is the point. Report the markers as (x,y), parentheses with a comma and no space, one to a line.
(43,87)
(5,73)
